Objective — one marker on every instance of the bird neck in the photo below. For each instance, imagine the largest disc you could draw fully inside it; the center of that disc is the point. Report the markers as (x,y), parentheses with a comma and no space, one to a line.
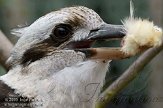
(75,85)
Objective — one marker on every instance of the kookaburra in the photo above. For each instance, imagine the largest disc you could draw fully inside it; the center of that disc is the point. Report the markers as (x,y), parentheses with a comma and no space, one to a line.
(49,67)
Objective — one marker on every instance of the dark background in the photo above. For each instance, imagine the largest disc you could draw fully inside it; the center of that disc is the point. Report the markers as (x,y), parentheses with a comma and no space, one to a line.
(146,89)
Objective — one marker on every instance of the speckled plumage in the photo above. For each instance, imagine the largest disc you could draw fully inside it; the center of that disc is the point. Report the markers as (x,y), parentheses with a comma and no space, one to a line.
(60,78)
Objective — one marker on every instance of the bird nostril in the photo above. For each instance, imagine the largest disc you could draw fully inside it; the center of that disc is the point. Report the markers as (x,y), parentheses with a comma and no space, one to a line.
(94,30)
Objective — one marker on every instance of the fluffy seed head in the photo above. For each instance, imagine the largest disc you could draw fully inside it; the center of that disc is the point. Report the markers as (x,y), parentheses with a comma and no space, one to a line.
(140,33)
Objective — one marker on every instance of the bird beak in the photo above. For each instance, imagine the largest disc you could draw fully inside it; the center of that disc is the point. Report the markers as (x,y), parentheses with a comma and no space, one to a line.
(105,32)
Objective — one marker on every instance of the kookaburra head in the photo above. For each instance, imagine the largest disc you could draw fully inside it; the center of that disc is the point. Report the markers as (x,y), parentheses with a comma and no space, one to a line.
(48,64)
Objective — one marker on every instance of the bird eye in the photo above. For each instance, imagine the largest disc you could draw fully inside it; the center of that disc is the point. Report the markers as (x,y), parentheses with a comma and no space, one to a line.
(61,32)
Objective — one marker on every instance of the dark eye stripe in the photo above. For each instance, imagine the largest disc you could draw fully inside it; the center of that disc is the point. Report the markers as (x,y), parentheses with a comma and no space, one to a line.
(42,49)
(38,51)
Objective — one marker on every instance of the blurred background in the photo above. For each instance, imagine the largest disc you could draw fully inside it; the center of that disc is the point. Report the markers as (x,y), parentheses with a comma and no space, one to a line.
(146,90)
